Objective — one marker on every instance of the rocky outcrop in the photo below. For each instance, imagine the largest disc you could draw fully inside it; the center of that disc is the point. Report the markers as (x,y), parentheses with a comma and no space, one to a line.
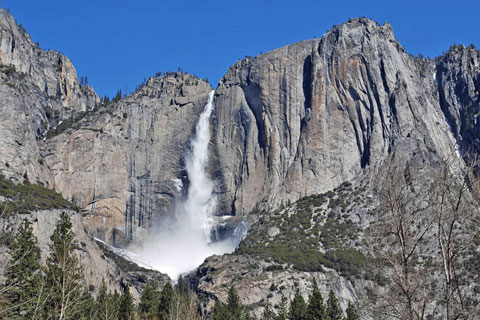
(127,157)
(458,77)
(303,118)
(51,72)
(257,285)
(38,89)
(98,263)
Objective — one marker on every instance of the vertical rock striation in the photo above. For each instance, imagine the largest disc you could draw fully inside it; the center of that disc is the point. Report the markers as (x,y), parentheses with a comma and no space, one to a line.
(38,89)
(458,77)
(128,156)
(303,118)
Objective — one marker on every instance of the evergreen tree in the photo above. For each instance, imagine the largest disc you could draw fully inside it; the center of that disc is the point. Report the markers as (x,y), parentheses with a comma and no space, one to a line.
(181,287)
(64,276)
(219,312)
(333,310)
(316,307)
(105,304)
(118,96)
(126,310)
(268,313)
(232,310)
(24,287)
(351,312)
(88,307)
(282,309)
(149,302)
(115,299)
(167,301)
(298,307)
(234,307)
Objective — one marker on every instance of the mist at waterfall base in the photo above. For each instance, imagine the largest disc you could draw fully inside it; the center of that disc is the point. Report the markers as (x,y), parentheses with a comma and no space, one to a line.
(183,241)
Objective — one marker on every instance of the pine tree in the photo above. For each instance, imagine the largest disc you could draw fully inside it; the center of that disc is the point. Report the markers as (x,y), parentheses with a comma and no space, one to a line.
(88,307)
(234,306)
(219,312)
(333,310)
(316,306)
(115,304)
(105,304)
(268,313)
(126,309)
(149,302)
(64,276)
(298,307)
(351,312)
(167,300)
(232,310)
(24,287)
(282,309)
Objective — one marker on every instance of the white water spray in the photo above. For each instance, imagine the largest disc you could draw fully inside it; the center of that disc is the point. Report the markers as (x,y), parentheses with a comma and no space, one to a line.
(183,243)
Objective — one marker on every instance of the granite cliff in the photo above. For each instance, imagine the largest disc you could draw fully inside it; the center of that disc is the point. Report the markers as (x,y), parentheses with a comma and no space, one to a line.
(299,137)
(304,118)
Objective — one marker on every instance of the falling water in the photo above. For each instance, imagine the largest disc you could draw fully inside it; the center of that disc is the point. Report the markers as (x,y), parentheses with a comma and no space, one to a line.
(182,243)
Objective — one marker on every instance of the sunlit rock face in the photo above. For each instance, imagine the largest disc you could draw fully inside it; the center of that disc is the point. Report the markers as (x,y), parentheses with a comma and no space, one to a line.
(38,89)
(182,241)
(129,157)
(303,118)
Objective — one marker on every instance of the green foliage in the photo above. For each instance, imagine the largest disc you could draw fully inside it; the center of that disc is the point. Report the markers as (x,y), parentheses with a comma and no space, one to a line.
(24,278)
(333,310)
(282,313)
(268,313)
(106,304)
(64,276)
(219,312)
(349,262)
(316,306)
(351,312)
(9,70)
(234,306)
(149,302)
(167,301)
(304,228)
(118,96)
(26,197)
(126,309)
(232,310)
(87,306)
(298,308)
(68,123)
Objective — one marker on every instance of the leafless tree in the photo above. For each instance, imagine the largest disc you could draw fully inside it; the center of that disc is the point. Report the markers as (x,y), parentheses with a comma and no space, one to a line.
(456,209)
(396,242)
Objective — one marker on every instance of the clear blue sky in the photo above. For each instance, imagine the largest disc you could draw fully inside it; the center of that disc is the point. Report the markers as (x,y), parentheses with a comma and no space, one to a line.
(118,43)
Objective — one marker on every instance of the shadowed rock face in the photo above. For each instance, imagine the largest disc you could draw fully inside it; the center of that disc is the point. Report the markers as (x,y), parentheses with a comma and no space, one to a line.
(303,118)
(458,76)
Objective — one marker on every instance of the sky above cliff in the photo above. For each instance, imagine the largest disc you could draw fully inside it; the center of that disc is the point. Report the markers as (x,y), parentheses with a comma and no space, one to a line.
(119,43)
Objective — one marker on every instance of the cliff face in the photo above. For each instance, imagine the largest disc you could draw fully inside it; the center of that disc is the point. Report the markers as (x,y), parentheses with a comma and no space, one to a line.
(458,77)
(38,89)
(50,71)
(303,118)
(127,157)
(297,121)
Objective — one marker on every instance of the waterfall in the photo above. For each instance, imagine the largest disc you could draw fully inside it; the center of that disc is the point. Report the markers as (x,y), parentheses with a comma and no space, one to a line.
(183,242)
(200,202)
